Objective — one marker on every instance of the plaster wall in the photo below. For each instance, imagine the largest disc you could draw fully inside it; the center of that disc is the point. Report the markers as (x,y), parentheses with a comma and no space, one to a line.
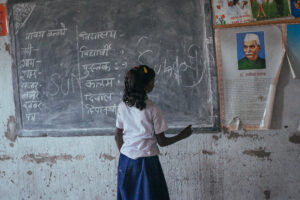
(221,166)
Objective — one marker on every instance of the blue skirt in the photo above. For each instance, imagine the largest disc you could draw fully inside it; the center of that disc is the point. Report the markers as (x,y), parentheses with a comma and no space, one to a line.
(141,179)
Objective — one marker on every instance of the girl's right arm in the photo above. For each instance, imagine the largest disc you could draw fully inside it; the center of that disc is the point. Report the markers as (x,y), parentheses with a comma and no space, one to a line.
(163,141)
(119,137)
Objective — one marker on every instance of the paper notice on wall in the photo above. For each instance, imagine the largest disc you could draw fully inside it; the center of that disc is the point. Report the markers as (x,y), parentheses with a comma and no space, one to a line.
(249,61)
(3,20)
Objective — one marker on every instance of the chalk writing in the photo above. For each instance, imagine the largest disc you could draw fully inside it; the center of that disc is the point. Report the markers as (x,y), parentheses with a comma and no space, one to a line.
(105,82)
(26,51)
(98,97)
(33,35)
(30,95)
(59,84)
(84,51)
(97,66)
(29,85)
(30,116)
(101,109)
(30,73)
(57,32)
(122,66)
(29,62)
(98,35)
(50,33)
(28,105)
(173,69)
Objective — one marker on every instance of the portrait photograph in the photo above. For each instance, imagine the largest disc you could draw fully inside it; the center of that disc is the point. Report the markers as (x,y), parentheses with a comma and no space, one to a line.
(251,50)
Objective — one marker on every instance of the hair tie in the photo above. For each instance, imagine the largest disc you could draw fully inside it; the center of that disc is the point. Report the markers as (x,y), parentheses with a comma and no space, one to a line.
(145,70)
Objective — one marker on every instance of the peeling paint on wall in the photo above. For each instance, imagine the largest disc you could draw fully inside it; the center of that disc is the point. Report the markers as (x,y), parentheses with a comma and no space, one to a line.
(7,48)
(295,139)
(5,157)
(11,133)
(267,194)
(260,153)
(48,185)
(215,137)
(234,135)
(50,160)
(107,157)
(208,152)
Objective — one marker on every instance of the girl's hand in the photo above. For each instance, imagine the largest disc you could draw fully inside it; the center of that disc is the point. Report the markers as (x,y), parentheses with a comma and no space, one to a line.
(187,131)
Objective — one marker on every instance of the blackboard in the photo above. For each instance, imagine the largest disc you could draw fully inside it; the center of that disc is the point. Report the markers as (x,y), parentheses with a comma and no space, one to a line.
(70,58)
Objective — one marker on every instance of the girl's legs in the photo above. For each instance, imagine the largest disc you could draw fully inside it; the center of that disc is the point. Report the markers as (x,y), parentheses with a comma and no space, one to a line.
(262,10)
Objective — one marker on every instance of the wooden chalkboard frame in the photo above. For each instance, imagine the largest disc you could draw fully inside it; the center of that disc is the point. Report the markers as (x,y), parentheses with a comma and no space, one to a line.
(90,132)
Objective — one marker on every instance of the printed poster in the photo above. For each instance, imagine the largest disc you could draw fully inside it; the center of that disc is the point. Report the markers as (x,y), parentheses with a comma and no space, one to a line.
(295,7)
(232,11)
(268,9)
(249,64)
(3,23)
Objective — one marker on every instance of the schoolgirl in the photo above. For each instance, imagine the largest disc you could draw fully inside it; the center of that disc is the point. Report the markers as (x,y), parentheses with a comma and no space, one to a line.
(140,125)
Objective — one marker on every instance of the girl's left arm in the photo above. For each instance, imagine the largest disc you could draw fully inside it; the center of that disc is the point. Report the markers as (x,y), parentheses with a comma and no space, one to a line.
(119,137)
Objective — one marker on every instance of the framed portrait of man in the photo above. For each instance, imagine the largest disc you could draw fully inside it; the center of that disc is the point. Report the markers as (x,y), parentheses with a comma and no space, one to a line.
(251,50)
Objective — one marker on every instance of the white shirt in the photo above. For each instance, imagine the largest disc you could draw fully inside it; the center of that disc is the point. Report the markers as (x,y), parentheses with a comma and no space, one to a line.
(139,129)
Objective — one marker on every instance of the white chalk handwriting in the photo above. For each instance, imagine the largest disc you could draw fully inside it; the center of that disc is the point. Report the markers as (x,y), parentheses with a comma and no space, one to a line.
(98,97)
(30,73)
(26,51)
(30,95)
(35,35)
(29,105)
(101,109)
(98,35)
(30,116)
(29,85)
(29,62)
(50,33)
(84,51)
(57,32)
(104,82)
(97,66)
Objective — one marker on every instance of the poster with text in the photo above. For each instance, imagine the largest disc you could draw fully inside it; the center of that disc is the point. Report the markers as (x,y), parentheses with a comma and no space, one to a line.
(249,60)
(232,11)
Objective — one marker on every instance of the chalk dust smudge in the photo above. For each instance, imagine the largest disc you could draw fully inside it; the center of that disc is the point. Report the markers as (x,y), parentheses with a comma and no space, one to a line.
(11,132)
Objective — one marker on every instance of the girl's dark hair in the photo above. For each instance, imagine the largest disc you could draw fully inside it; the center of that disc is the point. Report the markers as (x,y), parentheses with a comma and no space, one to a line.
(136,80)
